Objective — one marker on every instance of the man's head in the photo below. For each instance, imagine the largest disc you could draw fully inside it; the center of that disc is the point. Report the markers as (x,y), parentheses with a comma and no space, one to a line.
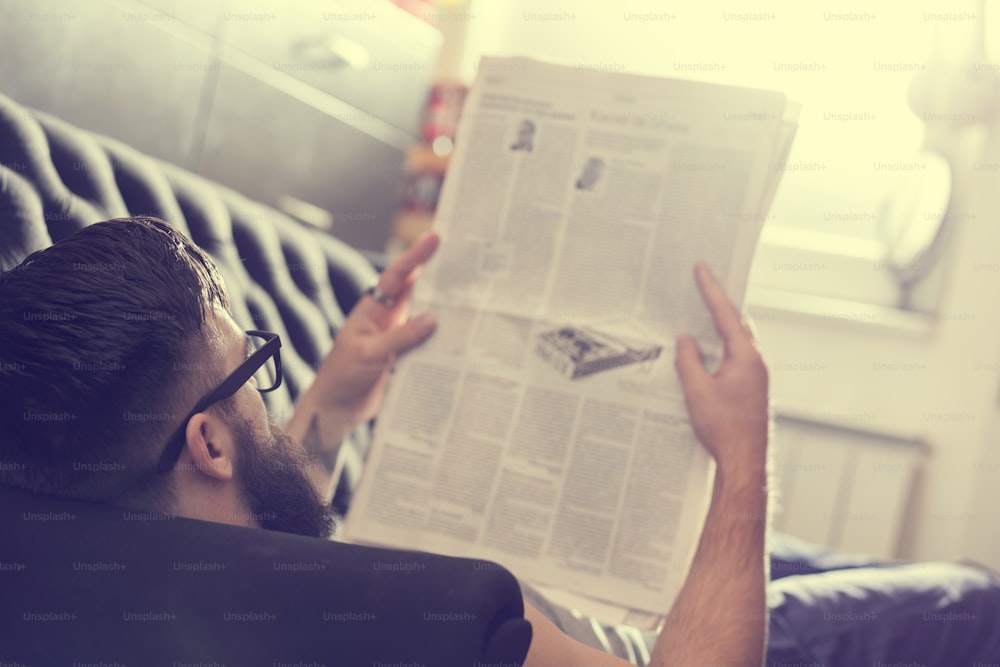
(107,340)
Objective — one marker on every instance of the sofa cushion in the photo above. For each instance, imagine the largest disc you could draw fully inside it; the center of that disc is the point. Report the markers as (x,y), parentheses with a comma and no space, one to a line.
(86,583)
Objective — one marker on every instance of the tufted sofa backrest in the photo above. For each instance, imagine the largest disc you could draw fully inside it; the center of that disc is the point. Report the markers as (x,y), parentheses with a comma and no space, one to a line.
(282,276)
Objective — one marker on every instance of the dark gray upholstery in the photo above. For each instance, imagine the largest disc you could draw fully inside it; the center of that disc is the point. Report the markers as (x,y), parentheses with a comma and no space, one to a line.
(91,584)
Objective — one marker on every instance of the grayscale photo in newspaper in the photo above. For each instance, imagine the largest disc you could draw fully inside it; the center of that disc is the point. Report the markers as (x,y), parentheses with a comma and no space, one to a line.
(543,425)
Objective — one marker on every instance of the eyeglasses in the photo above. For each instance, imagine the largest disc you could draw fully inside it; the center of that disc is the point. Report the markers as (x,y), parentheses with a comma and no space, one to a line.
(263,365)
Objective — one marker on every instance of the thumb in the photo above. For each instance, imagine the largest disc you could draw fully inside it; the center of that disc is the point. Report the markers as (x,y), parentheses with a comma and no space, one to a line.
(687,361)
(406,336)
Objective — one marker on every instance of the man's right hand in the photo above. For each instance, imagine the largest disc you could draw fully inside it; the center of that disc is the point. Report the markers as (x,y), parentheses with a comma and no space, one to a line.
(728,408)
(719,617)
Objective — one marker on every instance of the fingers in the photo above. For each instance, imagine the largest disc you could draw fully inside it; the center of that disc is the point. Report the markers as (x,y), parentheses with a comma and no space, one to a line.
(405,337)
(727,319)
(396,282)
(750,328)
(403,271)
(687,361)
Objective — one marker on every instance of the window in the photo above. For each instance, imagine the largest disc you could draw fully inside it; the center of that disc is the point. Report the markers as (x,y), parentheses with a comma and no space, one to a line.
(849,64)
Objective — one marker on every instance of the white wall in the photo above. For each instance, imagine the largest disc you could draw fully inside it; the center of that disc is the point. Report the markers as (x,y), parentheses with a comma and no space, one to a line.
(982,289)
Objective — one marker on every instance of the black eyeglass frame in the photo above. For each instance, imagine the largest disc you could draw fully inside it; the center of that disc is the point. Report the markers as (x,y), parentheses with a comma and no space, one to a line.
(228,387)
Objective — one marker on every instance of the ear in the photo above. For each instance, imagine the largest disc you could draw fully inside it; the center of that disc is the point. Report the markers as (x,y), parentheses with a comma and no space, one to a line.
(209,447)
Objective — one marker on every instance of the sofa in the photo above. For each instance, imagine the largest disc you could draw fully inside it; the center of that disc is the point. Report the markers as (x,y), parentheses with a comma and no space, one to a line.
(83,583)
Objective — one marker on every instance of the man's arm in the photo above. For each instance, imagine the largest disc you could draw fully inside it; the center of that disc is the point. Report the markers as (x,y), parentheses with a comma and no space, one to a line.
(350,382)
(720,615)
(721,610)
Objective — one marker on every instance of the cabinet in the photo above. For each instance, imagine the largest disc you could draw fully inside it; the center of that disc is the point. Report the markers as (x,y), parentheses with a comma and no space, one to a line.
(306,105)
(294,156)
(106,68)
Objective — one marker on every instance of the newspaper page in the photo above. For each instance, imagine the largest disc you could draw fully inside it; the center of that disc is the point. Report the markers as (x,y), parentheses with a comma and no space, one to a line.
(543,425)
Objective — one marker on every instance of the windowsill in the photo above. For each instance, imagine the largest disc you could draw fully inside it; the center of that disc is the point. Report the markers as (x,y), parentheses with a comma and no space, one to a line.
(767,304)
(851,425)
(829,279)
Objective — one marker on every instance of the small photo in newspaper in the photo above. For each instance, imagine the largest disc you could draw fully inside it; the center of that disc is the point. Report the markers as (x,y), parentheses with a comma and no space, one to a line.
(591,174)
(524,138)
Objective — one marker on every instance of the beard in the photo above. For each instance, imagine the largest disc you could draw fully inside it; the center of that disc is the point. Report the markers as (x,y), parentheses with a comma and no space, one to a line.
(272,469)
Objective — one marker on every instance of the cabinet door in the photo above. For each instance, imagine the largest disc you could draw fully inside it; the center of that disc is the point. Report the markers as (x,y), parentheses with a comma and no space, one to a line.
(271,145)
(106,68)
(204,15)
(372,55)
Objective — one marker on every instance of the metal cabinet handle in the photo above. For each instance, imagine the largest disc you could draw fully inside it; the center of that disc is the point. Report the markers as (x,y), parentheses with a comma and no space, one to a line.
(332,51)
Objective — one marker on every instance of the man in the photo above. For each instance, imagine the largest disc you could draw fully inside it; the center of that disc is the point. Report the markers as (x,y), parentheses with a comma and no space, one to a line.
(152,325)
(125,326)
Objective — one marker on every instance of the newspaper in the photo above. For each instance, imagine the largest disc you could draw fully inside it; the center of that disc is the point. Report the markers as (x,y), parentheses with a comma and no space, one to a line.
(543,425)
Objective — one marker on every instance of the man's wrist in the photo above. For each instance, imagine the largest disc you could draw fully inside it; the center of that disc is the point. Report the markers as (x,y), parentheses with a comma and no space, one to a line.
(742,501)
(325,432)
(743,473)
(327,423)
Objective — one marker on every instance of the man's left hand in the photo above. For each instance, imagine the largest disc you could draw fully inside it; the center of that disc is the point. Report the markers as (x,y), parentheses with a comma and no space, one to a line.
(351,380)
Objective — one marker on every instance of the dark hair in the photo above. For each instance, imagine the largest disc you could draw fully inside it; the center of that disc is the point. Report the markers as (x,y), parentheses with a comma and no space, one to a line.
(93,333)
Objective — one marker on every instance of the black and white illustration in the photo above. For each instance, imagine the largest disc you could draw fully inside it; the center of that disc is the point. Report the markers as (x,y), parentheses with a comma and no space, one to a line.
(525,139)
(579,351)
